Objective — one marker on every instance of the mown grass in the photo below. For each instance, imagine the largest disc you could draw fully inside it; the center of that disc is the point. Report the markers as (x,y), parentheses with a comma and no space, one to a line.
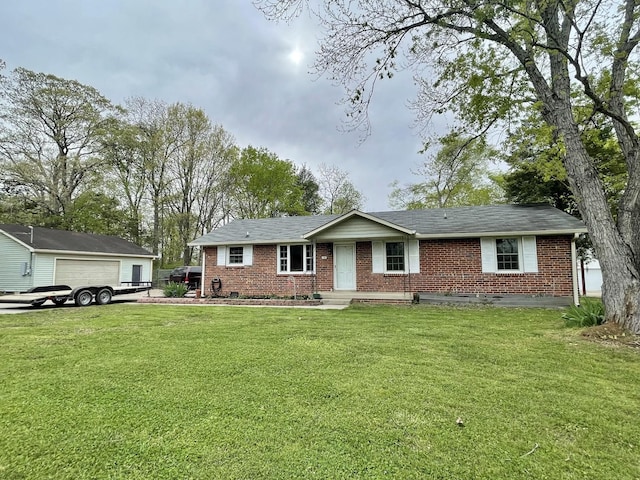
(160,392)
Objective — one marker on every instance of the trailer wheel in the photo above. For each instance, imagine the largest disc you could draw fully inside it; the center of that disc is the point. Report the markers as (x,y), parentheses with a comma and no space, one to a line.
(103,296)
(83,298)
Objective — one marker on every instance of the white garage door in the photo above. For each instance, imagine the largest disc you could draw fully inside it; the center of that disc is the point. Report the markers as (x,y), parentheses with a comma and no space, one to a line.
(77,273)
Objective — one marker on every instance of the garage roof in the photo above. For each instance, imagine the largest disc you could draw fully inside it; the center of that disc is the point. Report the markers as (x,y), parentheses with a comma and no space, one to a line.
(47,239)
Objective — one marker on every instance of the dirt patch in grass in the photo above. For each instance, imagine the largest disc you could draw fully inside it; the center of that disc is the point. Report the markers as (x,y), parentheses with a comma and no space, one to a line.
(612,334)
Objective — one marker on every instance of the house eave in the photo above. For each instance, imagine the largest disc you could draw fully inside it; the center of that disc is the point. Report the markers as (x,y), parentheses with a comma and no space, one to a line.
(511,233)
(244,241)
(91,254)
(421,236)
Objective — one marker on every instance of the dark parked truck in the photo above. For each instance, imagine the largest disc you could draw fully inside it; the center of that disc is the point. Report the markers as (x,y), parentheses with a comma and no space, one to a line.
(81,296)
(189,275)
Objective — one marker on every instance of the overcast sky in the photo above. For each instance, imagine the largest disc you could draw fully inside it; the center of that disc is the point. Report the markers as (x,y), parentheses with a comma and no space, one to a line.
(222,56)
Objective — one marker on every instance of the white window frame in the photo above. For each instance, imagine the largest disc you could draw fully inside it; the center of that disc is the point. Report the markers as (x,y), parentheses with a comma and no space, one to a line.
(527,255)
(411,256)
(520,268)
(404,258)
(309,253)
(224,255)
(230,254)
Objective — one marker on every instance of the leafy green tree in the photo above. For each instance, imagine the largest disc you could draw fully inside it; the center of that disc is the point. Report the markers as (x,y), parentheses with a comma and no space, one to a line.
(199,170)
(96,212)
(124,150)
(457,175)
(263,185)
(311,200)
(149,141)
(170,160)
(493,61)
(338,193)
(16,206)
(537,174)
(50,130)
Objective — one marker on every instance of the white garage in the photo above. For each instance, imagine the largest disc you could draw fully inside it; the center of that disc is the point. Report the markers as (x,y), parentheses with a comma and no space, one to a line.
(36,256)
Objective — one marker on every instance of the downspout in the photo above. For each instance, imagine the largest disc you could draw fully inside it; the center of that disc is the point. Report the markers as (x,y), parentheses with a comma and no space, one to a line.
(408,242)
(203,277)
(31,256)
(574,270)
(315,266)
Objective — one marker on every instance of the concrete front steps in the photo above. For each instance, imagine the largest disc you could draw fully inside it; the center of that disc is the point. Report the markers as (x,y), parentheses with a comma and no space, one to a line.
(347,297)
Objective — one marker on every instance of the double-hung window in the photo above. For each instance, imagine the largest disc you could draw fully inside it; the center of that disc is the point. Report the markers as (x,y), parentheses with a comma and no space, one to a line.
(295,259)
(395,256)
(236,255)
(509,254)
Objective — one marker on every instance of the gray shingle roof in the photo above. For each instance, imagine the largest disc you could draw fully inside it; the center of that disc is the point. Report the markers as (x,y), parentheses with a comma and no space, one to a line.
(62,240)
(485,219)
(453,222)
(264,230)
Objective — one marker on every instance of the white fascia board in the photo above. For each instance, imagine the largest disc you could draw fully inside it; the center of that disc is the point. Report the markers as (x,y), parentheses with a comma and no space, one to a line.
(244,241)
(93,254)
(501,234)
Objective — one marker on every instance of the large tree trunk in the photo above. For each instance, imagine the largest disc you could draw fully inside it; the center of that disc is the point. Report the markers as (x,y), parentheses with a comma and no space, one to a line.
(620,269)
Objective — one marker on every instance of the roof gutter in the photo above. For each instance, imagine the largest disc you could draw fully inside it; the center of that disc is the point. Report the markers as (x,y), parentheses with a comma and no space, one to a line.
(500,234)
(411,233)
(93,254)
(249,242)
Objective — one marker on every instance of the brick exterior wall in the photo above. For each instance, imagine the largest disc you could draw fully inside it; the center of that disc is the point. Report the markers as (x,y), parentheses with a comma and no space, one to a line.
(446,266)
(261,278)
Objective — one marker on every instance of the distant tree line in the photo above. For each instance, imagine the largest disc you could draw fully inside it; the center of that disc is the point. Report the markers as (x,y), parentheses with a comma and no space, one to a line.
(156,174)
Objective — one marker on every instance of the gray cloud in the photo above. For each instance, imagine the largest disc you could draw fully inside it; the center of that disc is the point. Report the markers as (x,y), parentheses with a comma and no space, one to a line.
(225,58)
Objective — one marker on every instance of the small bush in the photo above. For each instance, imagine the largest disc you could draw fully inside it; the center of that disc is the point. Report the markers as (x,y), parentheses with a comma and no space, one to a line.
(589,314)
(175,290)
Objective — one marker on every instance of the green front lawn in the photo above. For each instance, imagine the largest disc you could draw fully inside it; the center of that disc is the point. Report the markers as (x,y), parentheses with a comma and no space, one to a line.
(161,392)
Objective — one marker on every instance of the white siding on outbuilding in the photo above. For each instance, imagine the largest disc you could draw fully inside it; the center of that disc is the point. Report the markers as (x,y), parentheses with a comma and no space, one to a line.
(592,277)
(43,268)
(16,259)
(126,269)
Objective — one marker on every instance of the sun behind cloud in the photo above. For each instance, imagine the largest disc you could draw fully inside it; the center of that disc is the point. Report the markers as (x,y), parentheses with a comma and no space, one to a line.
(296,56)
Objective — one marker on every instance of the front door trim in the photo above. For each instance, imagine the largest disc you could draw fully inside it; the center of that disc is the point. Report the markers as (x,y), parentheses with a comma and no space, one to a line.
(344,276)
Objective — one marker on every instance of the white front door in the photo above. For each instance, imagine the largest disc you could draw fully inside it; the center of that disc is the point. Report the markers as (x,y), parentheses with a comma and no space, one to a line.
(345,267)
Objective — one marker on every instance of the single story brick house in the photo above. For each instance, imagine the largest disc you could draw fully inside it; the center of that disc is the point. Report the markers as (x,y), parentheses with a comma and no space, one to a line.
(498,249)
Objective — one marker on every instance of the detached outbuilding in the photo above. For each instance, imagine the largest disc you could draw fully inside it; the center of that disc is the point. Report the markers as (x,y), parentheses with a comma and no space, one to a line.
(35,256)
